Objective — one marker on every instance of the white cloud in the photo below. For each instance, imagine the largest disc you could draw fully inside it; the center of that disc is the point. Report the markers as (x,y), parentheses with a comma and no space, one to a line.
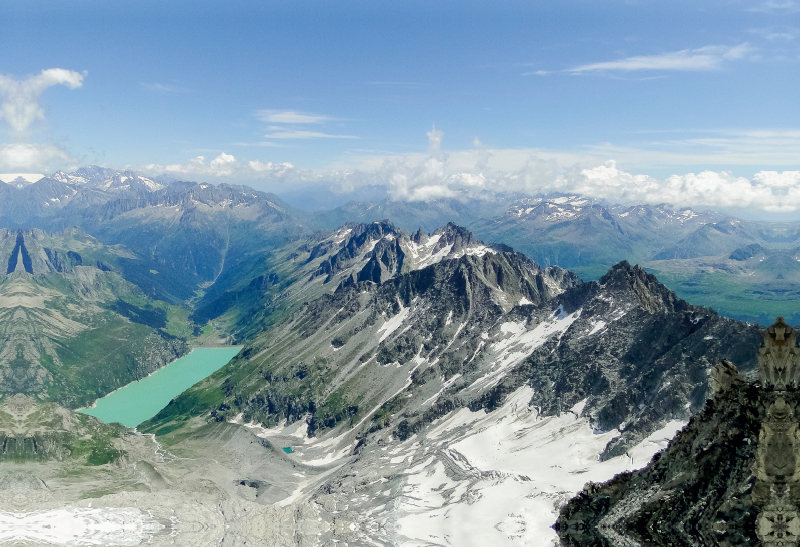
(480,172)
(469,173)
(776,7)
(290,116)
(222,166)
(775,180)
(272,169)
(226,165)
(705,58)
(434,140)
(293,117)
(166,88)
(262,143)
(720,189)
(288,134)
(21,97)
(777,33)
(37,158)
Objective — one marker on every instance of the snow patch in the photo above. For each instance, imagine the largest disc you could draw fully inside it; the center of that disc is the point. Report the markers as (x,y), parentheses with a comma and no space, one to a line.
(519,342)
(514,469)
(393,324)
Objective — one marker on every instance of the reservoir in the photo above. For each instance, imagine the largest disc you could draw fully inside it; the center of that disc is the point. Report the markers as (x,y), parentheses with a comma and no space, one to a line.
(140,401)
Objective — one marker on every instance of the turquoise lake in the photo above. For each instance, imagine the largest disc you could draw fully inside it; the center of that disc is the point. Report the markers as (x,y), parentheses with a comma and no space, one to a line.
(140,401)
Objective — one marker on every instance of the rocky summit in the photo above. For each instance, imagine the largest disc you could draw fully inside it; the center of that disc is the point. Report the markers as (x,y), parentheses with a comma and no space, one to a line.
(730,477)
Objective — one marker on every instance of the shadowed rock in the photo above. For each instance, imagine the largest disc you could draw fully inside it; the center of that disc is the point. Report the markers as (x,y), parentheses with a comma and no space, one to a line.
(730,477)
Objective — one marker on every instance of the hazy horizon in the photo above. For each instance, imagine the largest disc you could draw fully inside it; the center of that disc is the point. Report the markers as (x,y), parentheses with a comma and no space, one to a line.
(633,102)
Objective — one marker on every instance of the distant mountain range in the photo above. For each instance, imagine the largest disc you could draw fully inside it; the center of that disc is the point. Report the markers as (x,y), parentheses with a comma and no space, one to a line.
(190,233)
(745,269)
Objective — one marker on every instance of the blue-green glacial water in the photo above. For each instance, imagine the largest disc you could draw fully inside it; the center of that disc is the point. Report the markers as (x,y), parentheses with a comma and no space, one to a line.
(140,401)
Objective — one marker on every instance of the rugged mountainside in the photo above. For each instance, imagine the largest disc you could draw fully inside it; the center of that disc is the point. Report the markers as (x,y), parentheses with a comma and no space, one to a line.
(744,269)
(394,388)
(585,235)
(71,328)
(460,383)
(728,478)
(255,293)
(467,332)
(181,235)
(193,234)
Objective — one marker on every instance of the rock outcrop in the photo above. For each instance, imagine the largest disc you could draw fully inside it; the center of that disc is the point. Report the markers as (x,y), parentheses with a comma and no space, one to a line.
(731,477)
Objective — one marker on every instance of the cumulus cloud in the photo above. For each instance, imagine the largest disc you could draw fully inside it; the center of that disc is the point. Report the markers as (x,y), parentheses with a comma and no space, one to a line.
(484,173)
(423,178)
(705,58)
(222,166)
(36,158)
(21,97)
(272,169)
(768,190)
(228,166)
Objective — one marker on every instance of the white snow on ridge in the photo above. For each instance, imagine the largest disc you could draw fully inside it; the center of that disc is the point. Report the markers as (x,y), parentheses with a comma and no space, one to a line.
(393,323)
(479,250)
(516,469)
(151,184)
(518,344)
(597,327)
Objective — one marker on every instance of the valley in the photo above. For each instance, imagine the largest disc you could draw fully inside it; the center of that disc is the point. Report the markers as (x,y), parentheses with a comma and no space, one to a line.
(380,385)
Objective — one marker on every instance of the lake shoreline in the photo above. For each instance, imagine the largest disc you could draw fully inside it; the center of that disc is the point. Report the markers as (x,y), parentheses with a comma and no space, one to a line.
(155,393)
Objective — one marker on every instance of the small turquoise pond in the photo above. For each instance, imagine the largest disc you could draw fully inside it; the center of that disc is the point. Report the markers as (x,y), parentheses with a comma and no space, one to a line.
(288,449)
(140,401)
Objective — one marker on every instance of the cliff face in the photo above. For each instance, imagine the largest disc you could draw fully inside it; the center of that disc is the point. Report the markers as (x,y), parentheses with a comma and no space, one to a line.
(731,477)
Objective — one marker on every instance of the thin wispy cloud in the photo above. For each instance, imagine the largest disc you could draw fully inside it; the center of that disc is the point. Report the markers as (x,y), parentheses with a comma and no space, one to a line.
(166,88)
(778,33)
(291,117)
(262,143)
(299,134)
(776,7)
(692,60)
(404,85)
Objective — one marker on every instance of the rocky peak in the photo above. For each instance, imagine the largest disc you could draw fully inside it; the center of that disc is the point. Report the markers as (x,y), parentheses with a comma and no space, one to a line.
(652,295)
(460,238)
(419,237)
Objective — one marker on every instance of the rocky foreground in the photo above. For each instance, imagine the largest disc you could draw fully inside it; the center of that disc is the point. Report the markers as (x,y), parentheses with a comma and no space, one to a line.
(731,477)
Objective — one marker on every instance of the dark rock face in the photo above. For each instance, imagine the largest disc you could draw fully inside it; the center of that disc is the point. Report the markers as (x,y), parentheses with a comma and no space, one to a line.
(731,477)
(648,359)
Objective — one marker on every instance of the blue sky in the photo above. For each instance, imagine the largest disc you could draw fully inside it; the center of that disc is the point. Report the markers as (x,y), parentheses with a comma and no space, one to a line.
(346,93)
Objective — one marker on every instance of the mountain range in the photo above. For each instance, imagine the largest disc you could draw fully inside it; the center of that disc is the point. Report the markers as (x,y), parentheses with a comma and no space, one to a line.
(744,269)
(396,384)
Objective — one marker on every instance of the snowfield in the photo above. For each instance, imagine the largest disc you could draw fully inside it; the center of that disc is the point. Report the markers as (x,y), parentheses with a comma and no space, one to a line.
(503,481)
